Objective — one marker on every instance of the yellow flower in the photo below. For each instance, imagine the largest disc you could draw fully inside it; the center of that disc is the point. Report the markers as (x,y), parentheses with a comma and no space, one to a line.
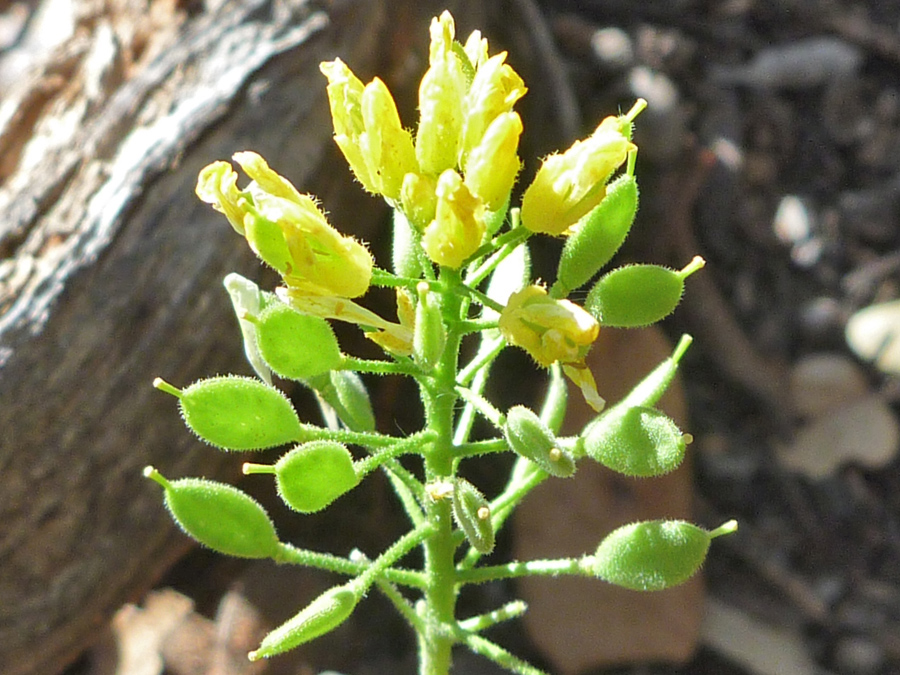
(368,131)
(549,330)
(570,185)
(493,164)
(458,226)
(495,89)
(217,185)
(287,230)
(441,101)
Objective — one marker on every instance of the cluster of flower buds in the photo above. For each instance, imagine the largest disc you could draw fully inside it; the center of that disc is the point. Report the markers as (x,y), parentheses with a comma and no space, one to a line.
(463,161)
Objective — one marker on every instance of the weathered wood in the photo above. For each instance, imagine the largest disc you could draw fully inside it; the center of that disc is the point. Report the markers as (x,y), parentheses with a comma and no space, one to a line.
(110,274)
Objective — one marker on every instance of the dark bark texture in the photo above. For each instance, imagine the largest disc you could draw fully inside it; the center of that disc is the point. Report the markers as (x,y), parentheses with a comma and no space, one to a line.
(110,270)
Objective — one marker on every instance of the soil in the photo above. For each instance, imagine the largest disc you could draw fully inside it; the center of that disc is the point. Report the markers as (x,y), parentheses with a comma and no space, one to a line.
(722,145)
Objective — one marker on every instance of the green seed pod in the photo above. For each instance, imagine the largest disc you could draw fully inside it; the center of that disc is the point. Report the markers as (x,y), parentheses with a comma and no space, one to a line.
(636,441)
(247,300)
(404,248)
(237,413)
(314,474)
(296,346)
(597,237)
(472,513)
(219,516)
(638,295)
(322,615)
(345,393)
(651,555)
(553,412)
(648,391)
(430,335)
(529,437)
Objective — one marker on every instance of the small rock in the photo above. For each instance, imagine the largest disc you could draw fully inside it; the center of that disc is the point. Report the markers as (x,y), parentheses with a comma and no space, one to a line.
(871,214)
(865,433)
(796,65)
(762,649)
(858,655)
(792,222)
(613,49)
(873,333)
(824,381)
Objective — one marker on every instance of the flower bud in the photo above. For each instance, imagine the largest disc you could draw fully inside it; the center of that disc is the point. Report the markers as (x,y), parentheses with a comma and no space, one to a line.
(441,101)
(429,335)
(458,226)
(529,437)
(549,330)
(321,616)
(296,346)
(386,146)
(570,185)
(418,198)
(653,555)
(638,295)
(472,513)
(237,413)
(345,93)
(492,165)
(219,516)
(494,90)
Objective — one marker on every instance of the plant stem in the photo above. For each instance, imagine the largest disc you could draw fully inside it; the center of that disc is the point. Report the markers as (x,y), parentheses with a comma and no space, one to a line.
(439,398)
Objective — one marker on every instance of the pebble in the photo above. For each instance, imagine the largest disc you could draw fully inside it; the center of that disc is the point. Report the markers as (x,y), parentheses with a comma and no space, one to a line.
(795,65)
(823,381)
(865,433)
(662,133)
(870,213)
(792,222)
(613,48)
(873,333)
(858,655)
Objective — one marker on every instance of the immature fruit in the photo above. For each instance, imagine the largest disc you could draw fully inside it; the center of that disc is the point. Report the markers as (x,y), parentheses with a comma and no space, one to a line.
(296,346)
(529,437)
(472,513)
(635,295)
(429,336)
(314,474)
(637,441)
(651,555)
(219,516)
(638,295)
(237,413)
(346,393)
(321,616)
(597,237)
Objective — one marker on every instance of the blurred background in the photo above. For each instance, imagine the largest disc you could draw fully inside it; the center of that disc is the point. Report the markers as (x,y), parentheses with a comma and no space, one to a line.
(771,147)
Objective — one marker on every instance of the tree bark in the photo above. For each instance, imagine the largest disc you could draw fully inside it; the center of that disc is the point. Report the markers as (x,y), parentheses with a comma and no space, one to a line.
(110,272)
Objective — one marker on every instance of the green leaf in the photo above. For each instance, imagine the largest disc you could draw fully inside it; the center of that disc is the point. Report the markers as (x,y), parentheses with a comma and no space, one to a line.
(295,345)
(219,516)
